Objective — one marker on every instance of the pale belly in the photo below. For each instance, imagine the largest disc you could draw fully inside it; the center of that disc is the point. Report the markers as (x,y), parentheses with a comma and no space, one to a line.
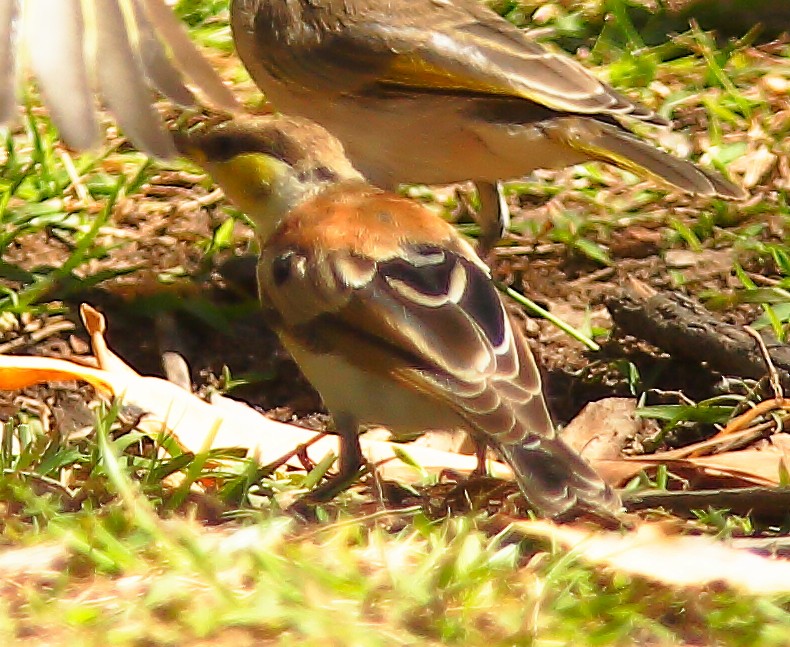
(427,141)
(371,399)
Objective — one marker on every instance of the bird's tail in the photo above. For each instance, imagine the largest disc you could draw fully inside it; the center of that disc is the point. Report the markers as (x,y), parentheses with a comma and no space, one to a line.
(556,480)
(613,145)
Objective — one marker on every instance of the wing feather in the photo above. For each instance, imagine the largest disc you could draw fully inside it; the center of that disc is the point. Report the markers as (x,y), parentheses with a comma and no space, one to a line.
(416,47)
(187,57)
(116,46)
(9,27)
(159,69)
(122,83)
(437,312)
(55,38)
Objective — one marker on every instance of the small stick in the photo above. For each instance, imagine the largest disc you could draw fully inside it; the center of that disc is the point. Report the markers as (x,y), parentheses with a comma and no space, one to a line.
(773,374)
(28,339)
(299,450)
(742,421)
(76,181)
(774,501)
(709,446)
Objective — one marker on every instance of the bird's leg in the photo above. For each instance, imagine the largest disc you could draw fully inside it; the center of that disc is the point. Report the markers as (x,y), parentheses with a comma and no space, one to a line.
(493,216)
(350,460)
(481,451)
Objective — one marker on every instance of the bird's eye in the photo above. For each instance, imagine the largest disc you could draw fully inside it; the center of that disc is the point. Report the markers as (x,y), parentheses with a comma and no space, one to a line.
(281,268)
(222,148)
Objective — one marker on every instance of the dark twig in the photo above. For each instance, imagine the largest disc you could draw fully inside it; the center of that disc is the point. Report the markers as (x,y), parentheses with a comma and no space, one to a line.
(300,451)
(744,421)
(715,445)
(685,329)
(760,501)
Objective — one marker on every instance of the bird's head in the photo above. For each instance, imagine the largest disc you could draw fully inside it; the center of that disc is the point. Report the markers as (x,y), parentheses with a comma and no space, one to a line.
(270,165)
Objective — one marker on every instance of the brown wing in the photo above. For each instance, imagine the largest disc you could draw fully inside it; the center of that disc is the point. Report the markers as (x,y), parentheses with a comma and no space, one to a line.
(432,320)
(432,311)
(417,46)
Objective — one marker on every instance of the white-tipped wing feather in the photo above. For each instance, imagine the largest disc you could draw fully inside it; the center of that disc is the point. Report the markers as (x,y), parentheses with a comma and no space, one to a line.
(158,66)
(434,313)
(54,32)
(186,56)
(122,82)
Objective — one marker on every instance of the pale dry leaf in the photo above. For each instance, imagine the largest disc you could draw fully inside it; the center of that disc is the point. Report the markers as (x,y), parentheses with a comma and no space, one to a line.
(776,84)
(96,327)
(743,468)
(674,560)
(198,425)
(675,142)
(759,466)
(602,428)
(19,372)
(754,165)
(456,442)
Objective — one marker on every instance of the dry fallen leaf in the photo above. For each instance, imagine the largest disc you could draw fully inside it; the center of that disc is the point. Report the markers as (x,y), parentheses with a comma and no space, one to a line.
(739,468)
(673,560)
(224,423)
(602,428)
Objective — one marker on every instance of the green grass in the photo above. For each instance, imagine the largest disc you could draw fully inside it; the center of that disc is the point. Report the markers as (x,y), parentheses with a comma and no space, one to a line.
(126,571)
(139,557)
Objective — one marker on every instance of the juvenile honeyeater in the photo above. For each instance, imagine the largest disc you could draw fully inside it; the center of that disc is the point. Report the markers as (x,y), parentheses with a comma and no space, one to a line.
(388,311)
(426,91)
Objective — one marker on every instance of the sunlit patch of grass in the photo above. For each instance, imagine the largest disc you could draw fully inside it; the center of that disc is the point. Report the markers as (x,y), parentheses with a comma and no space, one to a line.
(208,20)
(128,564)
(126,574)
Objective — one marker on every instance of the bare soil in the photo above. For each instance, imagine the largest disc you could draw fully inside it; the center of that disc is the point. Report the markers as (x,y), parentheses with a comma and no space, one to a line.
(209,315)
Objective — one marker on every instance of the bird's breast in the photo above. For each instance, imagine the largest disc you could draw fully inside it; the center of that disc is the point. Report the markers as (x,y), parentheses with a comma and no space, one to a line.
(373,399)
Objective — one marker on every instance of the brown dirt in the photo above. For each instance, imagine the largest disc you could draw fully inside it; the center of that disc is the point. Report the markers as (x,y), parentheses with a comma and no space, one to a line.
(208,314)
(212,321)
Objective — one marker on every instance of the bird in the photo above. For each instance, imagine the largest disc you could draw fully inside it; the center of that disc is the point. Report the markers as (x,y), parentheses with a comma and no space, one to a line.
(418,91)
(388,310)
(444,91)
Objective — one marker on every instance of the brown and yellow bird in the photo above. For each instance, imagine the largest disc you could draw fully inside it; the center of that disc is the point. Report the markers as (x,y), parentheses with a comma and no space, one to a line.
(427,91)
(441,91)
(388,311)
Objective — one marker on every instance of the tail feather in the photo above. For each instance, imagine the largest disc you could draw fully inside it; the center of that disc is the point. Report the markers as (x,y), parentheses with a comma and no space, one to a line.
(616,146)
(556,480)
